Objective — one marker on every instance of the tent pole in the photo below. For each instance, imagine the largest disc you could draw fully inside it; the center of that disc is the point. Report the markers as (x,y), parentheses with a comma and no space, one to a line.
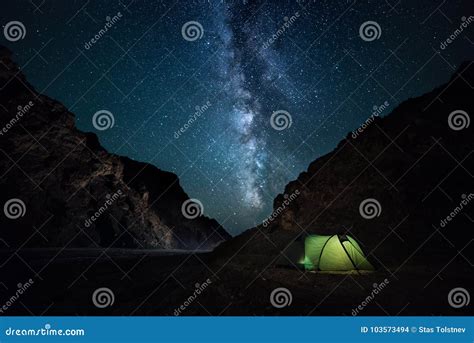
(343,247)
(322,249)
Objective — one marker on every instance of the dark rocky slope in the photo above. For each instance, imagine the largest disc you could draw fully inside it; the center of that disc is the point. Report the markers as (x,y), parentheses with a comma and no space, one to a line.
(63,176)
(411,161)
(422,264)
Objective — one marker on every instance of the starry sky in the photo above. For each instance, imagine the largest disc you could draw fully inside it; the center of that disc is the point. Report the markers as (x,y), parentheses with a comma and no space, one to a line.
(192,85)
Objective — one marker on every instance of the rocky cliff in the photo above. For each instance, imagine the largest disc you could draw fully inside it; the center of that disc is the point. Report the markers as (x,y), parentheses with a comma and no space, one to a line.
(392,185)
(60,188)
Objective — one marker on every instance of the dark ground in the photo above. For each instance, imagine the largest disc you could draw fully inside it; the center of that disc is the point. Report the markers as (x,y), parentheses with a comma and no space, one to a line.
(156,283)
(430,166)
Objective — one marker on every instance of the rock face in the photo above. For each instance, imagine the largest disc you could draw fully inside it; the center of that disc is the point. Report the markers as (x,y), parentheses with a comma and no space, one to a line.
(417,163)
(72,192)
(411,163)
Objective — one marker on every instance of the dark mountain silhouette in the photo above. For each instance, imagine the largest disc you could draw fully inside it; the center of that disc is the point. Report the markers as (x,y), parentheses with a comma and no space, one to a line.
(64,176)
(412,162)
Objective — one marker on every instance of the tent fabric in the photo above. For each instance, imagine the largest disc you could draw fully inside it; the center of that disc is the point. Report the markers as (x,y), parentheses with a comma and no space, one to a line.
(333,256)
(314,246)
(357,256)
(326,253)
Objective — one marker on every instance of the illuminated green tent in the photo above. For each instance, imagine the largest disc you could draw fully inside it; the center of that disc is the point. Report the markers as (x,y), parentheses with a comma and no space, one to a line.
(326,253)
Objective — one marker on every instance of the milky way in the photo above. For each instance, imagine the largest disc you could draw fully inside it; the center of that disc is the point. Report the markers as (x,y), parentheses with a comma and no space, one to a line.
(201,106)
(246,71)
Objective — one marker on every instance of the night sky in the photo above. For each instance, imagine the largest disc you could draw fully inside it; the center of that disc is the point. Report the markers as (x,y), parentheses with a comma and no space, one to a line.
(229,69)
